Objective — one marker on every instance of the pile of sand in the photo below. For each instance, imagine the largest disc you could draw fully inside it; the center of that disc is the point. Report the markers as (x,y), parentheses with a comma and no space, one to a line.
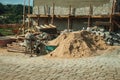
(77,44)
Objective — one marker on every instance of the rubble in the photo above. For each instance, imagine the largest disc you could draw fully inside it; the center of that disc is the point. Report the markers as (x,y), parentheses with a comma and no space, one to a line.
(111,38)
(72,43)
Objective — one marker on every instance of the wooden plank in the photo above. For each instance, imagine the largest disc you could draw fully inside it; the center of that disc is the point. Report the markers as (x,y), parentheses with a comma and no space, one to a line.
(101,16)
(44,27)
(52,25)
(14,50)
(37,27)
(47,26)
(41,26)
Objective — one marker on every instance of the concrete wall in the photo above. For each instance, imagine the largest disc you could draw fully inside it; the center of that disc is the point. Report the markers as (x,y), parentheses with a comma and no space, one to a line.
(79,7)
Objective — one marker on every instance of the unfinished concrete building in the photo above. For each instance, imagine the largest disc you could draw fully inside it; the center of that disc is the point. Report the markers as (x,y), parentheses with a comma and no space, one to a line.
(76,14)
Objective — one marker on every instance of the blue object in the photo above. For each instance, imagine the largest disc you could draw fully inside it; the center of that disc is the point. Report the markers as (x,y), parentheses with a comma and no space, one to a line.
(50,48)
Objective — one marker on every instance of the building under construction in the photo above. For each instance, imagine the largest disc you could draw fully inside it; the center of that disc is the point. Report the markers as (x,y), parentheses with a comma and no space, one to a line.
(76,14)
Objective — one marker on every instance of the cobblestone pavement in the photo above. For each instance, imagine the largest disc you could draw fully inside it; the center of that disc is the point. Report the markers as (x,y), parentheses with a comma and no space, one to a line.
(17,66)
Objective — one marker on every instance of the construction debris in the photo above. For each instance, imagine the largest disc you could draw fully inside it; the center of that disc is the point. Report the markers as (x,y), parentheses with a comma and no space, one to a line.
(4,40)
(111,38)
(15,47)
(32,43)
(69,43)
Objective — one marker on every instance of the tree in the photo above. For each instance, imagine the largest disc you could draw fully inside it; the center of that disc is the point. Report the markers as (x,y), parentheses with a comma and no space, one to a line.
(1,8)
(12,13)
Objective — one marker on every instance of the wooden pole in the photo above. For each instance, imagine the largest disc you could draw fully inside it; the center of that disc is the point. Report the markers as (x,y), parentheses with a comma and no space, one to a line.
(111,18)
(24,17)
(69,18)
(24,12)
(28,13)
(38,10)
(114,7)
(89,16)
(38,19)
(28,6)
(22,28)
(47,10)
(52,21)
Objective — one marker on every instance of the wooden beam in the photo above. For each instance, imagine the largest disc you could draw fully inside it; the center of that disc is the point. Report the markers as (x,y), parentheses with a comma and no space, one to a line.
(102,23)
(66,16)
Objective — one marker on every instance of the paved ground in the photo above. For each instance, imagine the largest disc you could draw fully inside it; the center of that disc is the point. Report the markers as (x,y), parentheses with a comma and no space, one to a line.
(17,66)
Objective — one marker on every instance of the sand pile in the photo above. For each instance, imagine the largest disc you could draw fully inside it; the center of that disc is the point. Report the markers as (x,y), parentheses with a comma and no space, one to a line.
(77,44)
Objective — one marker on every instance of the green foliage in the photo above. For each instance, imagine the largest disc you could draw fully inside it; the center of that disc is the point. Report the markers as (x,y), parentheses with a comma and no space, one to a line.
(1,8)
(11,13)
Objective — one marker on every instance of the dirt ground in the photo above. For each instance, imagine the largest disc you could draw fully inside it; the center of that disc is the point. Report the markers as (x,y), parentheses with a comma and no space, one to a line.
(18,66)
